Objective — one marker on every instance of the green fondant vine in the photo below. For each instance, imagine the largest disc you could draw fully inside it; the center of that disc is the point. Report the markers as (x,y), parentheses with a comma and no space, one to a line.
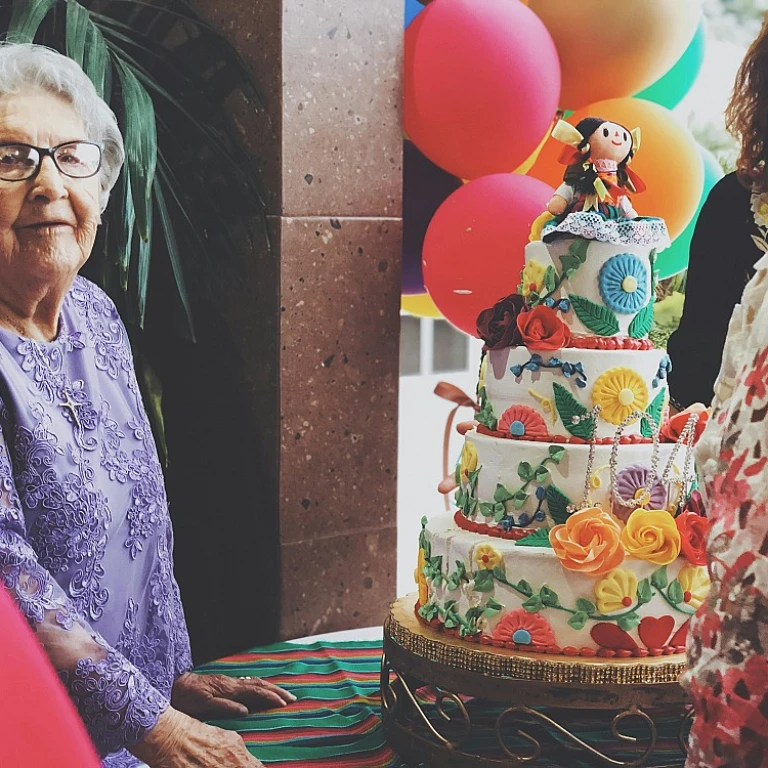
(570,262)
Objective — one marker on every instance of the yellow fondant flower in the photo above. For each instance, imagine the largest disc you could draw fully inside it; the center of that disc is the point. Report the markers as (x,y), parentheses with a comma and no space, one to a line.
(619,392)
(487,557)
(420,579)
(652,535)
(532,278)
(468,461)
(695,582)
(760,209)
(588,542)
(616,591)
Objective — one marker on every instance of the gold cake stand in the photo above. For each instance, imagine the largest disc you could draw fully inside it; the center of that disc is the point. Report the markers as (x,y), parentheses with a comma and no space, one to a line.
(427,672)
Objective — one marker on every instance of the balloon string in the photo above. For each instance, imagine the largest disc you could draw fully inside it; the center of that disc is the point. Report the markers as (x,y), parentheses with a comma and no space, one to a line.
(453,394)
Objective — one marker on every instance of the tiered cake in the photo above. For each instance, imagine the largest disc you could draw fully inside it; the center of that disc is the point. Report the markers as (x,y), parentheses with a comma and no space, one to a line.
(571,533)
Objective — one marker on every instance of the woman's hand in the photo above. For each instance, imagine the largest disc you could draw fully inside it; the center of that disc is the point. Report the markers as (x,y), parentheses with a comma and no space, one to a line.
(208,697)
(179,741)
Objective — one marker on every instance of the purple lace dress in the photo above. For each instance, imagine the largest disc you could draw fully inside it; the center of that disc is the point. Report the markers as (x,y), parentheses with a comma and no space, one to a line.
(85,535)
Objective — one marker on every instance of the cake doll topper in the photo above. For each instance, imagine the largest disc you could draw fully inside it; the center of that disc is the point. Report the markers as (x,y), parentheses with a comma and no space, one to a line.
(597,178)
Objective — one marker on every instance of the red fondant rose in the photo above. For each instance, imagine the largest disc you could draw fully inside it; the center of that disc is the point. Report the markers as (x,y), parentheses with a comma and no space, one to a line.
(542,329)
(673,428)
(497,326)
(693,536)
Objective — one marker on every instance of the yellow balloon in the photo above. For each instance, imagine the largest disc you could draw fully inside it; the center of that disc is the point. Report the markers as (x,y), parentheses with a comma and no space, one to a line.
(526,165)
(420,305)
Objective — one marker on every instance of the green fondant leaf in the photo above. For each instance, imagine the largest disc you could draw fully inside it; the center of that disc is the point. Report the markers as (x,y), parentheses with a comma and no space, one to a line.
(533,604)
(549,597)
(487,509)
(654,411)
(500,514)
(642,322)
(644,592)
(524,588)
(586,606)
(568,407)
(557,503)
(500,573)
(484,581)
(449,605)
(464,631)
(471,507)
(556,453)
(550,279)
(486,417)
(525,471)
(675,593)
(473,614)
(628,621)
(492,607)
(576,256)
(451,622)
(428,611)
(659,578)
(598,319)
(501,494)
(541,474)
(520,498)
(578,620)
(473,475)
(538,539)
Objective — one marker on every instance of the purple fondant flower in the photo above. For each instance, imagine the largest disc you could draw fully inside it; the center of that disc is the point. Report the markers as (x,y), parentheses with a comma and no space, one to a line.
(632,483)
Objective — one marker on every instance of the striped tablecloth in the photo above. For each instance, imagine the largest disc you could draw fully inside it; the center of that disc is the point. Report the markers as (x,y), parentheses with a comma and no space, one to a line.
(336,721)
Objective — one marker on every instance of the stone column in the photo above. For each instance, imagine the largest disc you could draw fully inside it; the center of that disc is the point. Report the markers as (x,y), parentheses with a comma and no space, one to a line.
(324,341)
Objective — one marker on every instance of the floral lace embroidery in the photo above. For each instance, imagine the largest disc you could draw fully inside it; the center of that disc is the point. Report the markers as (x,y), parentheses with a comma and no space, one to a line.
(592,226)
(116,700)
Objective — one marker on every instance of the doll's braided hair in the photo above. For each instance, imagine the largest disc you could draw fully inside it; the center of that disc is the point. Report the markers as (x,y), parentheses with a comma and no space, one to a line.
(583,181)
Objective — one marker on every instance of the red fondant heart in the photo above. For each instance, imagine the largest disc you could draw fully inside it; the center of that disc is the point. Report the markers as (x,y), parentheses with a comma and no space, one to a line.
(681,635)
(655,632)
(610,636)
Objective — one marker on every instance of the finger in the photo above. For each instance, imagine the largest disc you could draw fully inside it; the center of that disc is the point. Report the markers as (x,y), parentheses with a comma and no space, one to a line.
(255,692)
(218,707)
(286,696)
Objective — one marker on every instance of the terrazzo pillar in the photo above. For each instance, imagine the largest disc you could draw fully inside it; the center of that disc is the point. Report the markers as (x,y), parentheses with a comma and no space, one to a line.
(323,332)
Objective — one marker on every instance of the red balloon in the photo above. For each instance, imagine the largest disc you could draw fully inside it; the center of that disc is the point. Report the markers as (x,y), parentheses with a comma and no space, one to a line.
(474,247)
(482,84)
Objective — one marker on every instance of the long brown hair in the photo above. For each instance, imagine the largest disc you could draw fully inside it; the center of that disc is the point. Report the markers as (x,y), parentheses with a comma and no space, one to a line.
(747,114)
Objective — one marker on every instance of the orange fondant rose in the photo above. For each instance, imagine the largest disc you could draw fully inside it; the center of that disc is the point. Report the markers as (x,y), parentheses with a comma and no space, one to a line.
(589,542)
(541,328)
(651,535)
(674,426)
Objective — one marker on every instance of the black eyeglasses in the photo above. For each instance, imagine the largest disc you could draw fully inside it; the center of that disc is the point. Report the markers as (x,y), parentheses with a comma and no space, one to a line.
(77,159)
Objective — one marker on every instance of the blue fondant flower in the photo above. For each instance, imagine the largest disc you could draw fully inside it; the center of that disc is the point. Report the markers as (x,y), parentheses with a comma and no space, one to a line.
(624,283)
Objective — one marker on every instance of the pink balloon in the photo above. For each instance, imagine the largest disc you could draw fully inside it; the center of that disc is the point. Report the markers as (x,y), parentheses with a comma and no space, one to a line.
(474,247)
(482,84)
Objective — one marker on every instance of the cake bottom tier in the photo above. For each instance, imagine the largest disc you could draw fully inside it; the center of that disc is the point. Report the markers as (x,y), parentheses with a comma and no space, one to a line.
(508,594)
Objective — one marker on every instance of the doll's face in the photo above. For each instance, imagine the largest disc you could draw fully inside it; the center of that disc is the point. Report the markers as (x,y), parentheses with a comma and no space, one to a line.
(610,142)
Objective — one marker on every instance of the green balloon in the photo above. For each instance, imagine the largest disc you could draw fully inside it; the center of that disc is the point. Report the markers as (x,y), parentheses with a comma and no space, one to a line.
(670,89)
(675,258)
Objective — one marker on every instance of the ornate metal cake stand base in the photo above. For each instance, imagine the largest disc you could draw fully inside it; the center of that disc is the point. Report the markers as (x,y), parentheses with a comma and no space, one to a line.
(430,683)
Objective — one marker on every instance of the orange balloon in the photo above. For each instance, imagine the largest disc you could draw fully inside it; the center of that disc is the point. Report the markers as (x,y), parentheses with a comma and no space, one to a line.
(668,161)
(615,49)
(527,164)
(420,305)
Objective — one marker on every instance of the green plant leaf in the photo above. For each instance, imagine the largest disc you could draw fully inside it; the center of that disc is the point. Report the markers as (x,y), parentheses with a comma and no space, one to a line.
(97,63)
(501,494)
(644,592)
(675,593)
(659,578)
(597,318)
(642,322)
(568,407)
(533,604)
(78,21)
(525,471)
(578,620)
(539,538)
(524,588)
(586,606)
(549,597)
(556,453)
(628,621)
(654,410)
(557,504)
(26,17)
(484,581)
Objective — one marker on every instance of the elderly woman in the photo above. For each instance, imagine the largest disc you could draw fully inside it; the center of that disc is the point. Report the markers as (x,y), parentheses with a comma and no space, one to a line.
(85,536)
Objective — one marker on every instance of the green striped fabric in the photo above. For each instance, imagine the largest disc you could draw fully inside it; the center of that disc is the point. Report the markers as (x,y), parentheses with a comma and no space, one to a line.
(336,721)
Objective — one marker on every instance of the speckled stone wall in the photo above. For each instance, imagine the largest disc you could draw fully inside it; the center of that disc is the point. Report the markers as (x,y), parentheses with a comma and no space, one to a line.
(330,145)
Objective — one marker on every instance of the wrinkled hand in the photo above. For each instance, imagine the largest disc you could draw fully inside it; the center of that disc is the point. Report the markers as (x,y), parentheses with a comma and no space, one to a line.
(208,697)
(179,741)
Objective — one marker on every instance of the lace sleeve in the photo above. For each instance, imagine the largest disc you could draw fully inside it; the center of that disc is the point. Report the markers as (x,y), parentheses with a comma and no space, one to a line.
(116,701)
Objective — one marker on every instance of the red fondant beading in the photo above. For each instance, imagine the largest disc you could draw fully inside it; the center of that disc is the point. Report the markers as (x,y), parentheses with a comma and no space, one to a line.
(552,650)
(610,342)
(515,534)
(573,440)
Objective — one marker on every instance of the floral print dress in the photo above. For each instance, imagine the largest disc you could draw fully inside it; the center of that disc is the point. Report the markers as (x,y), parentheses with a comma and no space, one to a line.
(728,640)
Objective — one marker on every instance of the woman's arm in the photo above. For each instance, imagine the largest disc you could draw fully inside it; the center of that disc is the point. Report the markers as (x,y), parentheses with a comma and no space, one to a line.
(721,257)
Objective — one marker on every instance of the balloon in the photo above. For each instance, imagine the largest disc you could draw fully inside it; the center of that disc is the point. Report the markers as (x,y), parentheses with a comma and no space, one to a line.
(672,87)
(612,49)
(412,10)
(474,248)
(482,82)
(420,305)
(425,186)
(527,164)
(675,258)
(668,161)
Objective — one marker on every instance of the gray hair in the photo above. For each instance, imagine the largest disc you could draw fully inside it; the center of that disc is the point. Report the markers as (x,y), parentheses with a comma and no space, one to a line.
(25,65)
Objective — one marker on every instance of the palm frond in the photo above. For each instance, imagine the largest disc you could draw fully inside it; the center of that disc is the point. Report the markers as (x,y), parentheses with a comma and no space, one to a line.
(26,18)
